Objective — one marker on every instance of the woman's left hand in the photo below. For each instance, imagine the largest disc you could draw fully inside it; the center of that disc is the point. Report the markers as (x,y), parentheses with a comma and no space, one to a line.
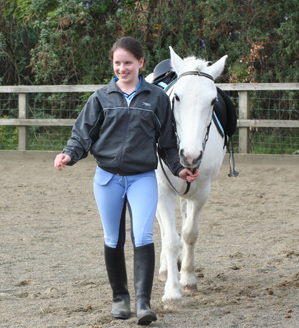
(187,175)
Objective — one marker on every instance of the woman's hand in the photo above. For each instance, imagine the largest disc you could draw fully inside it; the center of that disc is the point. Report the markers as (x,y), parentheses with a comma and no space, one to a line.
(187,175)
(61,160)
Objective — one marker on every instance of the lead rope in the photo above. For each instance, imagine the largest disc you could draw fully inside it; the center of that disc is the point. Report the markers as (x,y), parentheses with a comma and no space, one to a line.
(171,185)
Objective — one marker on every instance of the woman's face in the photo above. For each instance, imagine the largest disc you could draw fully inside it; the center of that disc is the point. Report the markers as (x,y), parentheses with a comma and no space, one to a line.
(126,66)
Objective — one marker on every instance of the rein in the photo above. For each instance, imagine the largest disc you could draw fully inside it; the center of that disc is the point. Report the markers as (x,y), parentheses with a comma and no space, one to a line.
(171,185)
(204,141)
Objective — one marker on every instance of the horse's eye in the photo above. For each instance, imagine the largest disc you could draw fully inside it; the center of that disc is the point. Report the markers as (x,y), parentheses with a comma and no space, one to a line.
(214,101)
(177,98)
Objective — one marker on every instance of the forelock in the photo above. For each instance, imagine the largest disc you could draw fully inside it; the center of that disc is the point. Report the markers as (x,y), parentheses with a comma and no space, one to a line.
(195,64)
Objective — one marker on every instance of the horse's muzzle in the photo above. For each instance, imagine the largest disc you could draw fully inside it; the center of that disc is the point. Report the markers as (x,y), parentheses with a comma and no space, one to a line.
(188,161)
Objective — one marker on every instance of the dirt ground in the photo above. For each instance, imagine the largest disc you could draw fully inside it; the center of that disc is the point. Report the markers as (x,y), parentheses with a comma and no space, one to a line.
(52,270)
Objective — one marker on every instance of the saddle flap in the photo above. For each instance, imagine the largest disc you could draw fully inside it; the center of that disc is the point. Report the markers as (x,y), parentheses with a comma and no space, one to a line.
(226,113)
(230,114)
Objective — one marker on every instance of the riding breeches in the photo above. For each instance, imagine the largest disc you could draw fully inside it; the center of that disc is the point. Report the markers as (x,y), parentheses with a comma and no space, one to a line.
(113,193)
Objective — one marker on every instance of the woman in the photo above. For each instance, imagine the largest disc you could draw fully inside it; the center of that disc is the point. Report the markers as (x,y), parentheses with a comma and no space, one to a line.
(121,125)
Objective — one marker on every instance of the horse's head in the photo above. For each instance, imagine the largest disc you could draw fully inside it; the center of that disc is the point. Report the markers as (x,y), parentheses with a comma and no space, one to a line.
(193,97)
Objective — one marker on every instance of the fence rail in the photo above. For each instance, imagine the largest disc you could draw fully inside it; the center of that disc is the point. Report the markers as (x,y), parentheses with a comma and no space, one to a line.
(244,122)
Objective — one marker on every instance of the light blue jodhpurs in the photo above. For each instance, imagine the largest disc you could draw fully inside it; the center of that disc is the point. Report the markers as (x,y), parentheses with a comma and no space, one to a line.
(113,192)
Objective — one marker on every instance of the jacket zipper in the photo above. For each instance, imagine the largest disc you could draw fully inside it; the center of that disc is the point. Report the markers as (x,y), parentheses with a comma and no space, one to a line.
(124,139)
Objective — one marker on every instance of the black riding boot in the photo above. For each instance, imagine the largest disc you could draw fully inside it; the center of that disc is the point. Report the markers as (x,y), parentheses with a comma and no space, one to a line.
(144,267)
(117,274)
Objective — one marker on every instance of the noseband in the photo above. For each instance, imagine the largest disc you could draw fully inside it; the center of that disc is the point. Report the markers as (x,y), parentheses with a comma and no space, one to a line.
(205,138)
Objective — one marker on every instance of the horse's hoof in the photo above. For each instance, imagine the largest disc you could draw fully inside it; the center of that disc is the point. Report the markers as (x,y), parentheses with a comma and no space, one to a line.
(189,289)
(172,304)
(163,276)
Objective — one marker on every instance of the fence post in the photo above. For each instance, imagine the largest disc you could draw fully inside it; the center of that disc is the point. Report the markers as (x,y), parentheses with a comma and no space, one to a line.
(23,114)
(244,112)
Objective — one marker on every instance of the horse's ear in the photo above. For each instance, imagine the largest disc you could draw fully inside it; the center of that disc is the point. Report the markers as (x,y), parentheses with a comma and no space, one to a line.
(177,63)
(217,68)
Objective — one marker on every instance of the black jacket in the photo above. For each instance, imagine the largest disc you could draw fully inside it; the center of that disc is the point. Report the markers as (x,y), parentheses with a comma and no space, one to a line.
(124,139)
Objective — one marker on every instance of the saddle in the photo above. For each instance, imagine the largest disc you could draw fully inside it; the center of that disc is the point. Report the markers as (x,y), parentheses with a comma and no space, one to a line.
(164,76)
(224,113)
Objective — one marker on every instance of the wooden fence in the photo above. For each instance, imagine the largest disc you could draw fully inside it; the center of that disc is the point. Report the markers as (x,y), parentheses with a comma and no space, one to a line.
(244,121)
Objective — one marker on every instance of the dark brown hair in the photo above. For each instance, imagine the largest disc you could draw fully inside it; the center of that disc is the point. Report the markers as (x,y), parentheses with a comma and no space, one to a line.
(129,44)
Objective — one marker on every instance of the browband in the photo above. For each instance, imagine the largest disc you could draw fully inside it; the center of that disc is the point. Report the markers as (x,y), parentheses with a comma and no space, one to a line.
(198,74)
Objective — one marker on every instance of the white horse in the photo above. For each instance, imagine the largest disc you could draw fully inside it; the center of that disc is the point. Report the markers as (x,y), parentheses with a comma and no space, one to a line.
(193,95)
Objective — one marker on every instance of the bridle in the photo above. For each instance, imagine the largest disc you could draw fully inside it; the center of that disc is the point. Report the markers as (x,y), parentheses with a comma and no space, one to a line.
(206,138)
(198,74)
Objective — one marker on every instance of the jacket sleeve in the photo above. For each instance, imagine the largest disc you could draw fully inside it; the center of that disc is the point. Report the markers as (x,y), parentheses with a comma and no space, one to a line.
(167,143)
(85,131)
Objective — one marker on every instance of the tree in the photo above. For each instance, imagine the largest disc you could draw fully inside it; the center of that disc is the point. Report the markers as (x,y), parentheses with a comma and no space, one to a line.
(67,41)
(74,40)
(16,40)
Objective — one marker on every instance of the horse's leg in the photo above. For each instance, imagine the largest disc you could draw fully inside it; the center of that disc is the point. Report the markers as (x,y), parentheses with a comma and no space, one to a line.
(171,246)
(183,209)
(163,263)
(189,236)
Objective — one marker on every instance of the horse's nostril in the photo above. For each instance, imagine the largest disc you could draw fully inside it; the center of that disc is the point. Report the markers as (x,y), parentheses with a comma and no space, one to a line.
(190,160)
(198,159)
(182,154)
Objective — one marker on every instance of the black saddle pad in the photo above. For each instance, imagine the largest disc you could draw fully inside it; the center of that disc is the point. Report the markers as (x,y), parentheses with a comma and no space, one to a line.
(226,113)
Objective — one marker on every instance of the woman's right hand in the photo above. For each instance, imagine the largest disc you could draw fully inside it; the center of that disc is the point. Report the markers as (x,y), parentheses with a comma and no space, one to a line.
(61,160)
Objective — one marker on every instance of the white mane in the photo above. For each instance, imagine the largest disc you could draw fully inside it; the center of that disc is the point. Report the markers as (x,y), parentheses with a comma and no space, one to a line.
(195,64)
(180,65)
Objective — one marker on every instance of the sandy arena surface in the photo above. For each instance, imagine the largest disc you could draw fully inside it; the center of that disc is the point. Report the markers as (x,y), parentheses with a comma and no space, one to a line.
(52,270)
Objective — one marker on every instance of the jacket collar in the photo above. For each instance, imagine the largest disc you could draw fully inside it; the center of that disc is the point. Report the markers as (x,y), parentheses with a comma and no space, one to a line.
(113,87)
